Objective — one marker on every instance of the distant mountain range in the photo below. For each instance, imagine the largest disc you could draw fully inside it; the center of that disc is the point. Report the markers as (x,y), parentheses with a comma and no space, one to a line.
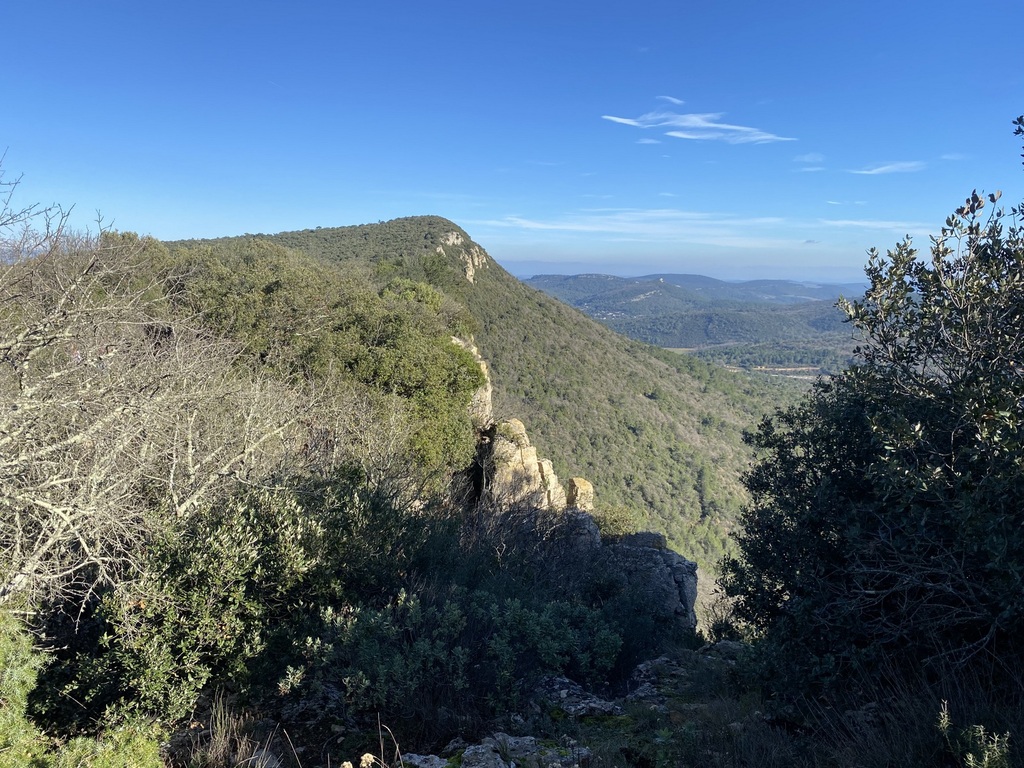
(755,324)
(672,292)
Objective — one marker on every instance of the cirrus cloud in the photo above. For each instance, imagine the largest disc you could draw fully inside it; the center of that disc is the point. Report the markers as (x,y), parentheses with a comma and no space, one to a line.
(898,227)
(699,126)
(657,225)
(906,166)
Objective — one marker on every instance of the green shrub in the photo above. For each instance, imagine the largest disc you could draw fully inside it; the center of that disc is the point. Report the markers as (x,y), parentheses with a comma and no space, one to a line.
(620,520)
(223,591)
(883,522)
(23,745)
(437,666)
(124,747)
(19,738)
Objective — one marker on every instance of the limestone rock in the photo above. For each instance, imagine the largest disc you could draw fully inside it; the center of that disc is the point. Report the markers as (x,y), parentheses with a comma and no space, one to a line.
(660,577)
(553,491)
(730,651)
(473,257)
(483,755)
(581,535)
(571,698)
(481,408)
(423,761)
(508,469)
(504,751)
(648,680)
(516,475)
(649,539)
(580,494)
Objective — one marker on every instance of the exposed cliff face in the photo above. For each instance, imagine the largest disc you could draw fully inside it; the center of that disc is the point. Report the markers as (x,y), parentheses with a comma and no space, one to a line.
(509,470)
(473,257)
(514,474)
(579,494)
(642,566)
(481,409)
(509,474)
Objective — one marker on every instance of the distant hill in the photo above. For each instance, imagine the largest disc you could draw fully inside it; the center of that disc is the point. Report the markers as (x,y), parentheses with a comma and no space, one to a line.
(754,324)
(673,291)
(653,430)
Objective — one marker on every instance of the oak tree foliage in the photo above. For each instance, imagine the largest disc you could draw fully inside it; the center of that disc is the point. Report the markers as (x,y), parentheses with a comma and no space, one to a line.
(886,519)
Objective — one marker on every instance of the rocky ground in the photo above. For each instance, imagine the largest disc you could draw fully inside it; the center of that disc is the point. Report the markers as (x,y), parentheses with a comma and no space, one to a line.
(671,705)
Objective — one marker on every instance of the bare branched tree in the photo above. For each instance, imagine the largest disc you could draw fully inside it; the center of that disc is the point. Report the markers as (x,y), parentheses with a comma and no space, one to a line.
(114,416)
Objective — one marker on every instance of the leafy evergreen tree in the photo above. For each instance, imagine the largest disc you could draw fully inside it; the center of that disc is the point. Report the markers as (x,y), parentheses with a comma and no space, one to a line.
(886,519)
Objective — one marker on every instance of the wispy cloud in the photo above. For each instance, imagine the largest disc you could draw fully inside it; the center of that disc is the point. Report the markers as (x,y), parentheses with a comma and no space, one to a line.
(810,169)
(658,225)
(906,166)
(810,157)
(900,227)
(672,100)
(623,120)
(707,126)
(646,140)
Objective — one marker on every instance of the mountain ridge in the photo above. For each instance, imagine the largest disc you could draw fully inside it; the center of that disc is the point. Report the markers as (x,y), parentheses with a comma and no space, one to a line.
(653,430)
(782,291)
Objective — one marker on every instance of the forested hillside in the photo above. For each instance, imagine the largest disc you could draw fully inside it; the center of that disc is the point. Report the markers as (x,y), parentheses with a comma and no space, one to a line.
(756,324)
(236,491)
(245,514)
(654,431)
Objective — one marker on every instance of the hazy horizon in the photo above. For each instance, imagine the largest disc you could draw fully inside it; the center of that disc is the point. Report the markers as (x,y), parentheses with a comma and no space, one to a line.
(527,270)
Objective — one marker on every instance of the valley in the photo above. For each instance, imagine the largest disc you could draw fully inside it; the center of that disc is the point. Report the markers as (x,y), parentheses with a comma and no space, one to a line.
(778,327)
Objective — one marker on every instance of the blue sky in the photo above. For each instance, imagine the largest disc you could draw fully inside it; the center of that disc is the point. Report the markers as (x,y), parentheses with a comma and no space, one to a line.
(735,139)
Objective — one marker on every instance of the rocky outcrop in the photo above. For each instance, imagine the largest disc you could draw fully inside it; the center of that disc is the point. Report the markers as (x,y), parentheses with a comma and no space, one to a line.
(515,474)
(481,408)
(573,699)
(666,577)
(509,471)
(504,751)
(685,687)
(640,565)
(473,257)
(579,494)
(509,474)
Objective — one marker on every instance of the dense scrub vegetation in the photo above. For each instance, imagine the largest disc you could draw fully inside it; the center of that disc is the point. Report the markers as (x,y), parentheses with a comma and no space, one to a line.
(655,431)
(234,510)
(233,476)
